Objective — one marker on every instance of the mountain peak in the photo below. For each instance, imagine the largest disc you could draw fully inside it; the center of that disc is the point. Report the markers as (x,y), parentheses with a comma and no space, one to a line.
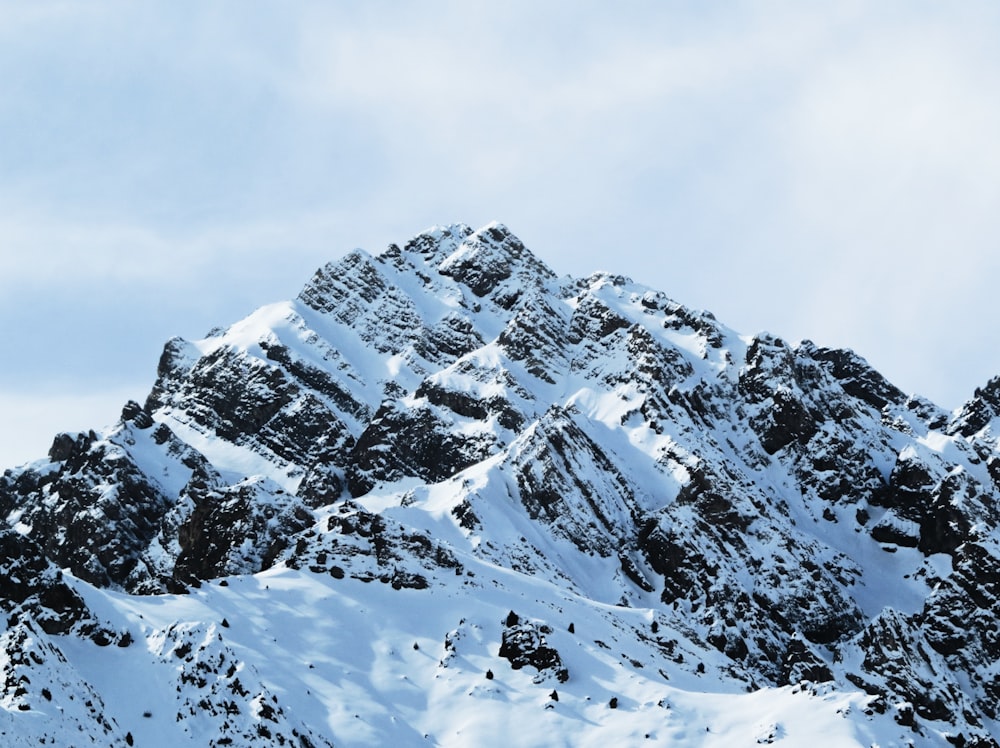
(493,261)
(440,467)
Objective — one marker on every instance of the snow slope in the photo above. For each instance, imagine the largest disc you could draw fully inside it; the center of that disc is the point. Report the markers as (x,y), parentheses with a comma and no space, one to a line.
(362,664)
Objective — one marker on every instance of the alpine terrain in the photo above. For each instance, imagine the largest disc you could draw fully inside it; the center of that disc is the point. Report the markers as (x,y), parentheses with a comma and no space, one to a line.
(446,498)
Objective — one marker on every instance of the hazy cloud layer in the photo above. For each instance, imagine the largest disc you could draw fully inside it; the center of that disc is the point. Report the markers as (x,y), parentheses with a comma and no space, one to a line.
(822,170)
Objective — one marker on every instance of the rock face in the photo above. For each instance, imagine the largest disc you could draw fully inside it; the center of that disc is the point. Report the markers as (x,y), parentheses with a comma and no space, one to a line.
(31,587)
(781,505)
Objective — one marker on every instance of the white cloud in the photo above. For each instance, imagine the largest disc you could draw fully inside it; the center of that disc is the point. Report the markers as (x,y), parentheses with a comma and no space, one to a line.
(893,165)
(822,170)
(58,252)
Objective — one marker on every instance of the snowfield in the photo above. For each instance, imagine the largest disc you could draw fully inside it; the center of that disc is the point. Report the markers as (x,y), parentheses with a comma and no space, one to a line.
(363,664)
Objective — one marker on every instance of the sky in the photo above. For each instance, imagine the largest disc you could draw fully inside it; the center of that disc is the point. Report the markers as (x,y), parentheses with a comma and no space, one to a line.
(826,171)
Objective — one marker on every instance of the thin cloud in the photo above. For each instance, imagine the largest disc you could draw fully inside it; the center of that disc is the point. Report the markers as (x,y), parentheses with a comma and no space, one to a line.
(822,171)
(56,252)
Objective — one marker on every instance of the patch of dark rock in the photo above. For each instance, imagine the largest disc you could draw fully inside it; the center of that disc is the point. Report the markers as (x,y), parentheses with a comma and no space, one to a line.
(892,535)
(524,644)
(402,441)
(800,663)
(409,580)
(465,516)
(858,378)
(133,413)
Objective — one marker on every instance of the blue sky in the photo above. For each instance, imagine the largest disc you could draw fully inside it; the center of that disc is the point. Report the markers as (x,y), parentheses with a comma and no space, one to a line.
(827,171)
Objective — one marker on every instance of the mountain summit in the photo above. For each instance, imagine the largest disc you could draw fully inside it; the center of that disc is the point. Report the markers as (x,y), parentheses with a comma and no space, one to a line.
(445,497)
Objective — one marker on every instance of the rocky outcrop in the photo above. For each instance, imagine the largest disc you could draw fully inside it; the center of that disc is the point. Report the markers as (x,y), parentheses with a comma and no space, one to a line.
(213,538)
(524,645)
(33,589)
(93,508)
(369,547)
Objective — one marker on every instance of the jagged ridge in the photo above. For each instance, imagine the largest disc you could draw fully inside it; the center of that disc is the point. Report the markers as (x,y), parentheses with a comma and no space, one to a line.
(453,402)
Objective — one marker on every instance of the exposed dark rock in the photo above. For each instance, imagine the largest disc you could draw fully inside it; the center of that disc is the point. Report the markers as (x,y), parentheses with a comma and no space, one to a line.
(980,411)
(233,531)
(65,446)
(857,378)
(524,644)
(31,585)
(451,338)
(893,655)
(566,481)
(403,441)
(801,663)
(94,512)
(490,257)
(133,413)
(768,378)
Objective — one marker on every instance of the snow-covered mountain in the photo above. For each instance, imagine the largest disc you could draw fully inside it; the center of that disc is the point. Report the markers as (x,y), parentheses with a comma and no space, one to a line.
(444,497)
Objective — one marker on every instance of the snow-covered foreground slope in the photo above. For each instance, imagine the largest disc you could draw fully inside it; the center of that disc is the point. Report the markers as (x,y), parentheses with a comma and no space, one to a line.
(361,664)
(444,461)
